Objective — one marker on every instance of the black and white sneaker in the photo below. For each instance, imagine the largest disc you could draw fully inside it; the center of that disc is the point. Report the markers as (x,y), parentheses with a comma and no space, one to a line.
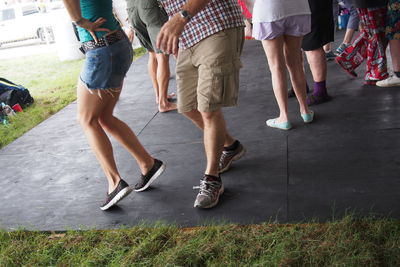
(146,180)
(121,191)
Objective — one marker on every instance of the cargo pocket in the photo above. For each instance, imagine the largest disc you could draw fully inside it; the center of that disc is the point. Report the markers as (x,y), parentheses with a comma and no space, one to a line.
(225,87)
(221,76)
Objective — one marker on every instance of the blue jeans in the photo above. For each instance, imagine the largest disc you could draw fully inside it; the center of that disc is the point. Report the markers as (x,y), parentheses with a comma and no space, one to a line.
(106,67)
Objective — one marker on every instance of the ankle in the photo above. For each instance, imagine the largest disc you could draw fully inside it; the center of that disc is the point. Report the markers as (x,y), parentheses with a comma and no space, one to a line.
(281,119)
(112,185)
(215,177)
(145,167)
(232,146)
(304,110)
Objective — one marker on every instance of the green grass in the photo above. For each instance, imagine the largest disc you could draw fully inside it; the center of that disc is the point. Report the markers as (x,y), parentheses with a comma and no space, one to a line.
(350,241)
(51,83)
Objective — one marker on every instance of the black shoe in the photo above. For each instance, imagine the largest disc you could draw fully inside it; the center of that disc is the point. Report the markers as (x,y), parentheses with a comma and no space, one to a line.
(121,191)
(146,180)
(292,94)
(229,156)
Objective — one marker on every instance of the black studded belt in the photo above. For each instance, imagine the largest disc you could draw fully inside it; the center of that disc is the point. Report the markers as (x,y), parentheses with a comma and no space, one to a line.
(106,40)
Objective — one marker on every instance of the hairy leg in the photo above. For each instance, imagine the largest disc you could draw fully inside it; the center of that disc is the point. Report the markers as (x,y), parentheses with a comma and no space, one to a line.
(152,69)
(395,53)
(197,118)
(214,138)
(163,75)
(316,59)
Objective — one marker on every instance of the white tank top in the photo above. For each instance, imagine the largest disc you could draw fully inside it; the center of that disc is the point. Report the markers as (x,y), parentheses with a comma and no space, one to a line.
(273,10)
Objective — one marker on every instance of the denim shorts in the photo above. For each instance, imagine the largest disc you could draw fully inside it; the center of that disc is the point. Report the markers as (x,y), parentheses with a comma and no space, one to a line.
(298,25)
(105,67)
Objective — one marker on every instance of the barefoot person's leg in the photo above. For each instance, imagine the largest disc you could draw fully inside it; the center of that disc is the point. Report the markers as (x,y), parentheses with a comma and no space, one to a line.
(163,75)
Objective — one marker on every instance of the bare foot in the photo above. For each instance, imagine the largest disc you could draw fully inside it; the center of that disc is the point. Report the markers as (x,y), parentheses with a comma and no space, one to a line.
(171,96)
(168,107)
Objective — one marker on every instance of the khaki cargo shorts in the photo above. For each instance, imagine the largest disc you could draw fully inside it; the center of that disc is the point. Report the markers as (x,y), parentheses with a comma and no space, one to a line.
(208,73)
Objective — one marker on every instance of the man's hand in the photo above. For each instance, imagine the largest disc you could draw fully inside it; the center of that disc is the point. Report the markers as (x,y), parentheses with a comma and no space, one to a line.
(168,38)
(93,27)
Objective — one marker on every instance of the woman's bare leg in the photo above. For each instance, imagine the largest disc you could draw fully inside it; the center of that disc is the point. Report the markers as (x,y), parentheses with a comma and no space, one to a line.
(276,61)
(94,115)
(294,63)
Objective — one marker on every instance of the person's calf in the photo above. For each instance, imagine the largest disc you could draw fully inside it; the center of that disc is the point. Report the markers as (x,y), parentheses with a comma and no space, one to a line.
(195,117)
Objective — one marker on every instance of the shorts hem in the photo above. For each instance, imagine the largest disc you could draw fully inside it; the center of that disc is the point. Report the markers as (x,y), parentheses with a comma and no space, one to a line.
(210,108)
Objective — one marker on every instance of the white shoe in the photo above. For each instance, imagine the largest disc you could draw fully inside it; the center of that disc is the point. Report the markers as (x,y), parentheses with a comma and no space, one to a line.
(389,82)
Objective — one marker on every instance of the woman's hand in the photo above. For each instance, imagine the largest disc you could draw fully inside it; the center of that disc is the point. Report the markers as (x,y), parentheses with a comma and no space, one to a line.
(93,27)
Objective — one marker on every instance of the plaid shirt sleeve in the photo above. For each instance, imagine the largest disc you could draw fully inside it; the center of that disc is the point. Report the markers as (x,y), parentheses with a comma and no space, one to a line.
(216,16)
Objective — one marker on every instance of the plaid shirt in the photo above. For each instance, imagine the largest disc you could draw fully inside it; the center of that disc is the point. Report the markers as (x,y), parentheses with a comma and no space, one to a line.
(216,16)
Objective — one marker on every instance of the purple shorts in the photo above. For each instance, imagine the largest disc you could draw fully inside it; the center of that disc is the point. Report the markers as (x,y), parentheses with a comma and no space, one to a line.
(298,25)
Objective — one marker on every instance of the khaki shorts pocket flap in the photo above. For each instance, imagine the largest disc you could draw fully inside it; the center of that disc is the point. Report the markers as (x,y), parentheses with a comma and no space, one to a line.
(222,69)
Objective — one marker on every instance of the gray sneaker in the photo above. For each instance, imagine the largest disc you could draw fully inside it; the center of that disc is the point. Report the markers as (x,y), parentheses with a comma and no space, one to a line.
(227,157)
(209,192)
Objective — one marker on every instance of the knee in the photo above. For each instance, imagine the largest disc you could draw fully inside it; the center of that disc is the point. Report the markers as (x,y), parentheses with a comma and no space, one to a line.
(210,116)
(87,120)
(277,65)
(106,121)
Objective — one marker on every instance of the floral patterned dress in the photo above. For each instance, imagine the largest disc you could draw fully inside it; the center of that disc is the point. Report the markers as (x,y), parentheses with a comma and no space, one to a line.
(393,20)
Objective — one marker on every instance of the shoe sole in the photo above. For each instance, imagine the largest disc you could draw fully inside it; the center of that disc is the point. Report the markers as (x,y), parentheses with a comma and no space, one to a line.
(221,191)
(153,178)
(386,86)
(276,127)
(235,158)
(122,194)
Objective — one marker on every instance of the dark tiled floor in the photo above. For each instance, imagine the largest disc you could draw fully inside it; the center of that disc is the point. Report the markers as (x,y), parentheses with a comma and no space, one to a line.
(348,159)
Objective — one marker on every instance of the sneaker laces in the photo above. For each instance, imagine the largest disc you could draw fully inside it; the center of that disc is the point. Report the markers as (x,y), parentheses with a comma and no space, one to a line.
(206,187)
(223,157)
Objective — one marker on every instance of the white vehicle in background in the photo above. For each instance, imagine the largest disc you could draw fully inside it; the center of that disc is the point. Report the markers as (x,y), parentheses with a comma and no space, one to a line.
(24,21)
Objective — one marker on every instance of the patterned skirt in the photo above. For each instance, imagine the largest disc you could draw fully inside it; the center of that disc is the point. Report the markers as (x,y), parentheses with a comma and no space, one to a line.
(393,20)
